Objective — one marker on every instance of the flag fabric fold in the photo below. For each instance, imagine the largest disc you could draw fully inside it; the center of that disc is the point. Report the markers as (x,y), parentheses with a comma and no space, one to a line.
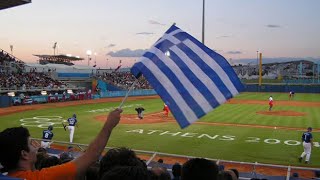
(119,66)
(189,77)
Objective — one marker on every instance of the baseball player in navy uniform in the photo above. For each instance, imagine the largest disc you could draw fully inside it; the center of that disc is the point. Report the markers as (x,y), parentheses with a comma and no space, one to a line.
(140,112)
(307,144)
(47,136)
(72,123)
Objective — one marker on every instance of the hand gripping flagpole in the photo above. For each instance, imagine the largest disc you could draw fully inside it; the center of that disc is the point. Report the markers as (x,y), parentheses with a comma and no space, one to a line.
(125,98)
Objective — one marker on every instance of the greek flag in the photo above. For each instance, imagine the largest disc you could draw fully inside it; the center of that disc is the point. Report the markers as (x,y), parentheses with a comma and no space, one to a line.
(188,76)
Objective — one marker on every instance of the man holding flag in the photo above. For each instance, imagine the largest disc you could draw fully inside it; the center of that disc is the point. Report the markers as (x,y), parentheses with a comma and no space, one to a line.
(189,77)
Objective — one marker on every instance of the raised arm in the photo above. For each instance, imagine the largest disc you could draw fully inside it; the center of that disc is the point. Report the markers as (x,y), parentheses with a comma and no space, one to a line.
(98,144)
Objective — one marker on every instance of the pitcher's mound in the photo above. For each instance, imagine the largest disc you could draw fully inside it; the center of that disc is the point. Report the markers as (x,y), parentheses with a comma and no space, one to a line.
(281,113)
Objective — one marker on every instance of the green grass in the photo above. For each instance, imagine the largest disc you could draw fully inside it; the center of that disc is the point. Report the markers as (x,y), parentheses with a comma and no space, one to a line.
(197,140)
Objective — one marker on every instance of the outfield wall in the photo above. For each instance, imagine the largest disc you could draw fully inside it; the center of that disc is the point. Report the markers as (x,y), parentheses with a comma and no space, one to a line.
(248,88)
(311,88)
(142,92)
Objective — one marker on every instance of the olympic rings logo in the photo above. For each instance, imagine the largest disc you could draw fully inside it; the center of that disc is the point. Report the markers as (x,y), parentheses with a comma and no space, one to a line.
(42,121)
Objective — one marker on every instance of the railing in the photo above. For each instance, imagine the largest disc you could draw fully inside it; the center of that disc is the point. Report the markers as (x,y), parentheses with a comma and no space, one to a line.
(38,89)
(153,154)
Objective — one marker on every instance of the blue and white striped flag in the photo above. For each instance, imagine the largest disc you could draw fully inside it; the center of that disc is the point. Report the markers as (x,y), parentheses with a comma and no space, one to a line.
(188,76)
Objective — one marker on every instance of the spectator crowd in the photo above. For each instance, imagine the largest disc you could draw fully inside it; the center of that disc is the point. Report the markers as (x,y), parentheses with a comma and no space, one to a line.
(124,80)
(28,80)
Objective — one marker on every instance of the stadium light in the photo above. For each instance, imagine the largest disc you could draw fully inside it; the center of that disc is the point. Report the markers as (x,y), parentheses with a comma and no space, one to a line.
(89,52)
(44,93)
(11,94)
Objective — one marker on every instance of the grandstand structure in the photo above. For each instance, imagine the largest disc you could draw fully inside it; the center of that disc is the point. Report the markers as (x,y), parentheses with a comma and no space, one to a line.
(58,59)
(29,83)
(4,4)
(284,71)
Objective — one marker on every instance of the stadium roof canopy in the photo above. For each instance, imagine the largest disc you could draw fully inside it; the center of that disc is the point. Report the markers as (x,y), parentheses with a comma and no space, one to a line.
(4,4)
(58,59)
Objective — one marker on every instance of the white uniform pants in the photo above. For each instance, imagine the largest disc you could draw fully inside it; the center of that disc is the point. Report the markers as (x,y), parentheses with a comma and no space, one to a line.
(71,129)
(307,150)
(45,144)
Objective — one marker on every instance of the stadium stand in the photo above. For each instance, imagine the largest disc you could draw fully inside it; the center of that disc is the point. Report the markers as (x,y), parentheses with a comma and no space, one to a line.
(123,80)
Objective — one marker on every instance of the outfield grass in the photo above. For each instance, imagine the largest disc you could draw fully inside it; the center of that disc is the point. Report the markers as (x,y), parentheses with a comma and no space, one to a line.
(219,142)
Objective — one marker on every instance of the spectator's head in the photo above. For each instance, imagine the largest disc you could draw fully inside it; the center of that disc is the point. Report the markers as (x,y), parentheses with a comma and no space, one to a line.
(42,150)
(225,175)
(40,156)
(50,161)
(119,157)
(236,172)
(16,148)
(70,148)
(199,168)
(65,157)
(126,173)
(161,173)
(160,160)
(221,167)
(231,174)
(295,174)
(176,170)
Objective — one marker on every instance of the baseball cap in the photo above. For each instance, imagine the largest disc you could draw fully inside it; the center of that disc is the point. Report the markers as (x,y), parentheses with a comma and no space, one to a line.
(309,128)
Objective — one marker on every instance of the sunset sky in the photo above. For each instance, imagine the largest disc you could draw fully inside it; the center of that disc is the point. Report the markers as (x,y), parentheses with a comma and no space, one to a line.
(236,29)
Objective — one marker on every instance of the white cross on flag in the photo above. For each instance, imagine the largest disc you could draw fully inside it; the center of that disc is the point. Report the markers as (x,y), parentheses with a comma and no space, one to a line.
(189,77)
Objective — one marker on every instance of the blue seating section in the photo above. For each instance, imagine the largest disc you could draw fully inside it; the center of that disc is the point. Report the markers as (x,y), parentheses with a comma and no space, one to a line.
(74,75)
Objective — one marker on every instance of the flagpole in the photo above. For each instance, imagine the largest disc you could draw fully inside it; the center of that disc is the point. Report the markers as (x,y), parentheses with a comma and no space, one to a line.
(203,22)
(125,98)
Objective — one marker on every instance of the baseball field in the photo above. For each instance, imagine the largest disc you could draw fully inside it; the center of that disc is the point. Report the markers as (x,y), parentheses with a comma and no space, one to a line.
(241,130)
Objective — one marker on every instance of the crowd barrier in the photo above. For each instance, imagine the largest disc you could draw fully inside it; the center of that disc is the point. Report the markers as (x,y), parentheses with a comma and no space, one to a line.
(5,101)
(46,98)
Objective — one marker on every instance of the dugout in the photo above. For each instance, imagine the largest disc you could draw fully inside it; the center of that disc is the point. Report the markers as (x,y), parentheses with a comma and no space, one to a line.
(5,101)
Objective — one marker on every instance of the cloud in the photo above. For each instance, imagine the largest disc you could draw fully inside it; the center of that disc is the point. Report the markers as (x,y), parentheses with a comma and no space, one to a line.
(155,22)
(273,26)
(234,52)
(127,53)
(144,33)
(111,45)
